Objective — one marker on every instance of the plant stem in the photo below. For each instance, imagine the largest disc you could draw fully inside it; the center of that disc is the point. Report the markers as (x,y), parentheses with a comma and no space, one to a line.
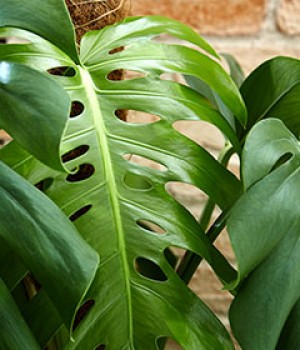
(223,158)
(190,260)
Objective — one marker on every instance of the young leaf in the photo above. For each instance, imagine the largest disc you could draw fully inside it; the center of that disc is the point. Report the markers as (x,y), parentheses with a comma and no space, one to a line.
(264,231)
(205,89)
(236,71)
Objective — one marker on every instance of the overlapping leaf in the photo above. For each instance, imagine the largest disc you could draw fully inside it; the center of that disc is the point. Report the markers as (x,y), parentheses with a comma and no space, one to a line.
(34,16)
(272,89)
(208,92)
(267,249)
(15,333)
(35,235)
(38,233)
(104,196)
(23,103)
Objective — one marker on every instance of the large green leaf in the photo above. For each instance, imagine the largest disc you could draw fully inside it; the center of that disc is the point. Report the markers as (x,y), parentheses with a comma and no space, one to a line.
(46,242)
(271,89)
(156,59)
(109,197)
(33,16)
(15,333)
(24,103)
(290,336)
(264,230)
(145,28)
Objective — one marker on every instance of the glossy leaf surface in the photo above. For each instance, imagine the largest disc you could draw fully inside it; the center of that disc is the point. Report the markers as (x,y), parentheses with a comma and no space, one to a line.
(34,16)
(15,333)
(272,90)
(146,28)
(264,232)
(107,195)
(28,98)
(290,336)
(163,59)
(46,242)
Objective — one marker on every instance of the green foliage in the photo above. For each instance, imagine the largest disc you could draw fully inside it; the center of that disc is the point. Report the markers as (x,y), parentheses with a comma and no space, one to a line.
(22,90)
(272,91)
(123,210)
(35,235)
(267,251)
(263,223)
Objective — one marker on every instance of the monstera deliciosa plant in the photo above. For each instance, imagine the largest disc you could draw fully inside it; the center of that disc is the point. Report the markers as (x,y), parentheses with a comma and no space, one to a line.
(70,144)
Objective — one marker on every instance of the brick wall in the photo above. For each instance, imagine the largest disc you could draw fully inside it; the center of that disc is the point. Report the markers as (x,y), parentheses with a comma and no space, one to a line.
(252,30)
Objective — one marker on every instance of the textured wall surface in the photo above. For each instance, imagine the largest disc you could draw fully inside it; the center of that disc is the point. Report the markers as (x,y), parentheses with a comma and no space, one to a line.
(252,30)
(221,17)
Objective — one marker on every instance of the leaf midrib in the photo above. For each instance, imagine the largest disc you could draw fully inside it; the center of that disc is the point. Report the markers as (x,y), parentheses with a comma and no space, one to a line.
(102,137)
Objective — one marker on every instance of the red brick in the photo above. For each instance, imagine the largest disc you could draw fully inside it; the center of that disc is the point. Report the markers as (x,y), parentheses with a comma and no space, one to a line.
(288,17)
(215,17)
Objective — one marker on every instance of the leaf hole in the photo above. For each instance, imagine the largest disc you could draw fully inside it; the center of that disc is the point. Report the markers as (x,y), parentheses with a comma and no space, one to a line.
(119,49)
(137,182)
(78,213)
(100,347)
(149,163)
(117,74)
(189,196)
(116,50)
(121,114)
(202,133)
(62,71)
(85,171)
(282,160)
(139,117)
(132,74)
(31,286)
(13,40)
(149,269)
(174,256)
(75,153)
(150,226)
(165,343)
(4,138)
(77,109)
(82,312)
(172,77)
(44,184)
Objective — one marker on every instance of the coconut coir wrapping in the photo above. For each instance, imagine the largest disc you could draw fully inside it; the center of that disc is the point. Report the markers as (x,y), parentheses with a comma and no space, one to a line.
(94,15)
